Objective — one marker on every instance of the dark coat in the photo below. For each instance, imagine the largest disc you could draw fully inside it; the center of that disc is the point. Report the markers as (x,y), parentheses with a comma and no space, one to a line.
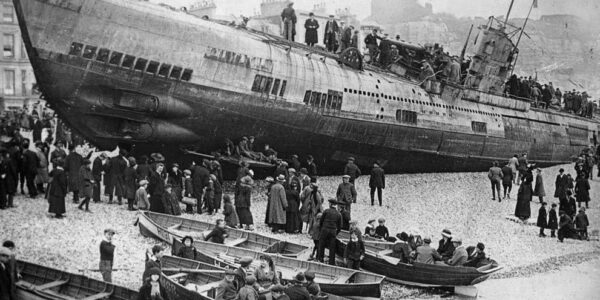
(352,170)
(541,219)
(56,155)
(294,221)
(200,178)
(97,169)
(73,163)
(539,189)
(507,175)
(6,285)
(523,208)
(244,196)
(30,162)
(311,35)
(231,217)
(581,221)
(582,189)
(277,205)
(116,173)
(156,188)
(86,187)
(297,292)
(9,168)
(57,191)
(170,204)
(377,178)
(217,235)
(144,293)
(143,171)
(561,186)
(445,249)
(130,177)
(552,219)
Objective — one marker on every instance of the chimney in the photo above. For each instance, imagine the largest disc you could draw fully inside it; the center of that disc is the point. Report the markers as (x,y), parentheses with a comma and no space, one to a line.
(203,8)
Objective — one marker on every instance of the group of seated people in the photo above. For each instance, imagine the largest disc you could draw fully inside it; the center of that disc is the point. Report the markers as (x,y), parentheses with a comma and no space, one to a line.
(413,248)
(246,148)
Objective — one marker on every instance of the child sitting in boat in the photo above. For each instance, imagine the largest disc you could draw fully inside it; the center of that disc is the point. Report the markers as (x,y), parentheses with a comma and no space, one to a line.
(231,217)
(218,234)
(383,231)
(188,250)
(354,252)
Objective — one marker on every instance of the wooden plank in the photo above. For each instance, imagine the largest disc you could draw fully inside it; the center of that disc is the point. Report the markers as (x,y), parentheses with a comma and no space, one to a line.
(177,276)
(98,296)
(174,227)
(57,295)
(51,284)
(205,288)
(235,242)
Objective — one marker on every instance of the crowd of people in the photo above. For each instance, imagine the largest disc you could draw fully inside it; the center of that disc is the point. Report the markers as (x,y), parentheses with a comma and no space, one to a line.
(571,193)
(547,96)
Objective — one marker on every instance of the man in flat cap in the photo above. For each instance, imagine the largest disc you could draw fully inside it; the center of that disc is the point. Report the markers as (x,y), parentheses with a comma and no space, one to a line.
(278,292)
(346,192)
(243,271)
(330,224)
(352,170)
(288,17)
(107,255)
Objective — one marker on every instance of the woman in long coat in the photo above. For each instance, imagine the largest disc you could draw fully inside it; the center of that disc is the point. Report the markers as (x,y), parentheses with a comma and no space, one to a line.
(312,205)
(58,190)
(278,205)
(311,37)
(523,208)
(242,202)
(294,222)
(156,188)
(582,190)
(539,189)
(131,182)
(10,169)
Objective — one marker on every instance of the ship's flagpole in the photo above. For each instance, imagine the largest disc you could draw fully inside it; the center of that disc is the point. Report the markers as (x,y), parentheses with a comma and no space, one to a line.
(533,3)
(464,49)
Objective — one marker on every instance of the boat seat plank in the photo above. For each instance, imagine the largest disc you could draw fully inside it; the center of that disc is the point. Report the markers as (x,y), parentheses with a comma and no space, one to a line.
(97,296)
(178,275)
(57,295)
(203,288)
(385,252)
(174,227)
(50,285)
(342,278)
(233,243)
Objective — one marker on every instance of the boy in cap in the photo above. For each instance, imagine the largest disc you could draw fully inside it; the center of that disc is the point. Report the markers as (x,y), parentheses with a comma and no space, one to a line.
(553,220)
(382,231)
(188,250)
(331,224)
(541,219)
(582,223)
(278,292)
(346,192)
(248,292)
(243,271)
(298,290)
(352,170)
(226,289)
(354,252)
(141,196)
(107,255)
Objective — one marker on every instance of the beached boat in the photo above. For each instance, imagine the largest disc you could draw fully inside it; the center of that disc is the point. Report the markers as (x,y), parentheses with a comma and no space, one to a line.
(333,280)
(185,279)
(39,282)
(167,227)
(379,259)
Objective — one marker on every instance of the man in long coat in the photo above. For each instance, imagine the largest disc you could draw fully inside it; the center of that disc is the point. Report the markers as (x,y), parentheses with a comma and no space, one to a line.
(277,205)
(312,204)
(156,188)
(97,169)
(352,169)
(346,192)
(376,182)
(58,189)
(200,178)
(311,37)
(116,174)
(539,189)
(288,17)
(72,165)
(332,29)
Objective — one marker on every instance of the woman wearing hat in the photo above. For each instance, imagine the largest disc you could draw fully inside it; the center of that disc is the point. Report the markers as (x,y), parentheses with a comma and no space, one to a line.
(58,189)
(130,178)
(242,202)
(525,194)
(86,184)
(152,290)
(277,206)
(156,188)
(294,222)
(266,273)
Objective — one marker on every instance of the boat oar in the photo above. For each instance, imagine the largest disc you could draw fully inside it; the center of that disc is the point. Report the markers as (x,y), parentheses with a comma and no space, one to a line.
(185,270)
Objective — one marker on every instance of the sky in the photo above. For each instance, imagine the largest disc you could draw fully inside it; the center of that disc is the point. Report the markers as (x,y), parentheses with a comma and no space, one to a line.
(460,8)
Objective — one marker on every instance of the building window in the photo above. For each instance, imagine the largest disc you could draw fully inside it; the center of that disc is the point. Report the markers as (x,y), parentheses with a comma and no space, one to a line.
(283,85)
(152,67)
(8,15)
(187,74)
(307,97)
(103,55)
(9,82)
(23,51)
(479,127)
(176,72)
(256,83)
(140,64)
(89,52)
(406,116)
(24,90)
(164,70)
(115,58)
(9,45)
(76,49)
(266,84)
(275,88)
(128,61)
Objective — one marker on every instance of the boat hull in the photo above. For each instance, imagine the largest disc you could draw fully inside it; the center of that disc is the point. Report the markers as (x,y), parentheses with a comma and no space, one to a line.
(161,226)
(370,288)
(422,275)
(37,283)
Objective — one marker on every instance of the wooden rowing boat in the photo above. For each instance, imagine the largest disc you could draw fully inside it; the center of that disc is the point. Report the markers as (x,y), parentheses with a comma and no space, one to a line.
(378,259)
(39,282)
(168,227)
(333,280)
(185,279)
